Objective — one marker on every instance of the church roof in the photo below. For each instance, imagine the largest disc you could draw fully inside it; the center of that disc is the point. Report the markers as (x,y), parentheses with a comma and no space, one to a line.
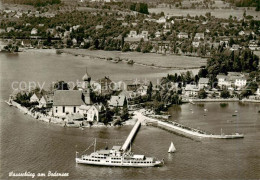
(67,98)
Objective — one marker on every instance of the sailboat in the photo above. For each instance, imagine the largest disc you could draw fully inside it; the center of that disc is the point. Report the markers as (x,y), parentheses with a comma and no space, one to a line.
(171,148)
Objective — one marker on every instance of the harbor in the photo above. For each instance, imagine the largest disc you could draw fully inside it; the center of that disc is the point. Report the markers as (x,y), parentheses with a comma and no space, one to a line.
(184,130)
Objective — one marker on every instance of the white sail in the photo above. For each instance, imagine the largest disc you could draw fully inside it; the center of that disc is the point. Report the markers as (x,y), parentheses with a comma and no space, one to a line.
(171,148)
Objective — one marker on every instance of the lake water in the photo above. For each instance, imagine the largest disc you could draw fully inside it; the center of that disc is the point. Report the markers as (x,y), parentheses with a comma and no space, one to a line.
(29,145)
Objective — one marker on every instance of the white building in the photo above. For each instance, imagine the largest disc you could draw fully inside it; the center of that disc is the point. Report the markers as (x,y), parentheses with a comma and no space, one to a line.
(132,34)
(43,101)
(199,36)
(223,80)
(35,97)
(67,102)
(34,31)
(117,101)
(161,20)
(91,113)
(183,35)
(195,43)
(203,83)
(240,82)
(142,90)
(258,92)
(191,90)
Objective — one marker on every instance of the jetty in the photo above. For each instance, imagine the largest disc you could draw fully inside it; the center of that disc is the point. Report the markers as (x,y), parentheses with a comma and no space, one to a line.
(185,130)
(132,134)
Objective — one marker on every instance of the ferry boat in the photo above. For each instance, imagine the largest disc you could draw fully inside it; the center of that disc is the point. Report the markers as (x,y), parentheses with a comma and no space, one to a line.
(117,157)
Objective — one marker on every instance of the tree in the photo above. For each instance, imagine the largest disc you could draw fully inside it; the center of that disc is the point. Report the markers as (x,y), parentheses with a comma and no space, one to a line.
(225,94)
(149,91)
(202,94)
(61,85)
(203,73)
(125,115)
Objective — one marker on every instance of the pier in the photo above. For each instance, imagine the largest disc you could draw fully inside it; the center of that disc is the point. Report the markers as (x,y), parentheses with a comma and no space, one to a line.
(184,130)
(132,134)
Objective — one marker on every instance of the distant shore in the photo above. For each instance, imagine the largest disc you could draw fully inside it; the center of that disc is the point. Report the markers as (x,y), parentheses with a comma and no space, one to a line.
(169,62)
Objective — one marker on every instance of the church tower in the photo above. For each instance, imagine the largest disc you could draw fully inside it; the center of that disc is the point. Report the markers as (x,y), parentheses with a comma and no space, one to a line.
(86,88)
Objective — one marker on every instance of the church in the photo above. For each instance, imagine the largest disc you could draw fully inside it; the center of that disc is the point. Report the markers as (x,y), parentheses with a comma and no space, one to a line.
(76,102)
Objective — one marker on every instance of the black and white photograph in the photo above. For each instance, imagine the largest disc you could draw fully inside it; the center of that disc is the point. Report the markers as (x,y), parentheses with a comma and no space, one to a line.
(130,89)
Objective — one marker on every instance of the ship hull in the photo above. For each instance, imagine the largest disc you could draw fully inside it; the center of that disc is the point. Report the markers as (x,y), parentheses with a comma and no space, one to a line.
(80,161)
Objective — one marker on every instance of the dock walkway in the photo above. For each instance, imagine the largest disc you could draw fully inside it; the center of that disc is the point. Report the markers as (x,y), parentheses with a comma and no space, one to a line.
(132,134)
(181,129)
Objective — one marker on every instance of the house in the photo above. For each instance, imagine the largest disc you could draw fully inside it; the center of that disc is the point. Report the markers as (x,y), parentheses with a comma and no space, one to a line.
(191,90)
(99,27)
(199,36)
(253,45)
(50,30)
(91,113)
(132,34)
(222,42)
(167,25)
(104,86)
(238,79)
(35,97)
(74,41)
(161,20)
(124,24)
(183,35)
(235,47)
(241,33)
(43,101)
(195,43)
(203,83)
(240,82)
(165,31)
(67,102)
(9,29)
(157,34)
(144,34)
(134,24)
(258,91)
(223,81)
(142,90)
(34,31)
(117,101)
(74,28)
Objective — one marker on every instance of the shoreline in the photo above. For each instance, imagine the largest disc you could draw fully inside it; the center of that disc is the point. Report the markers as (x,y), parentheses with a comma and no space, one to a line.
(58,121)
(125,59)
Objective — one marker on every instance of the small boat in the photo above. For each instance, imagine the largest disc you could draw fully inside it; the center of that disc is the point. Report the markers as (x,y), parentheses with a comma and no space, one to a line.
(171,148)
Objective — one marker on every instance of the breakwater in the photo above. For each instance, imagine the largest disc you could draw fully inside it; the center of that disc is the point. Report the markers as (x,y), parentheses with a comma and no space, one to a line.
(185,130)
